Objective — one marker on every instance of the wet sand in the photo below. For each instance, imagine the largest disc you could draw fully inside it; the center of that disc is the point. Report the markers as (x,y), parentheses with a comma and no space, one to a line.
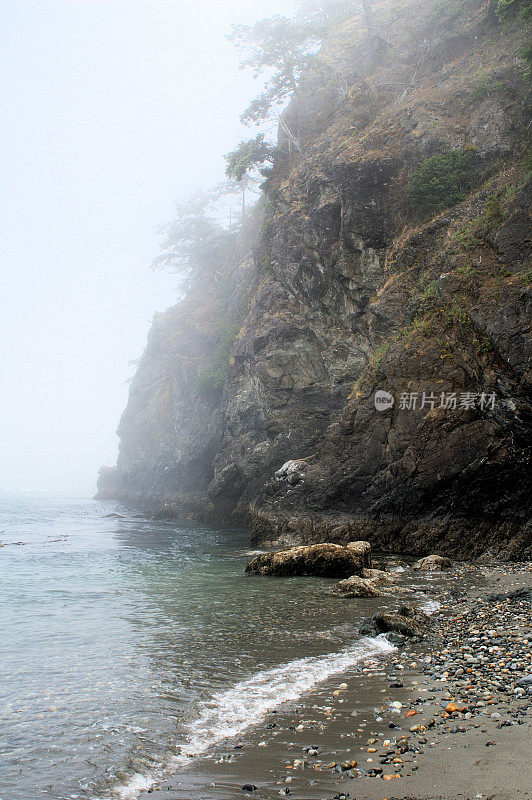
(480,750)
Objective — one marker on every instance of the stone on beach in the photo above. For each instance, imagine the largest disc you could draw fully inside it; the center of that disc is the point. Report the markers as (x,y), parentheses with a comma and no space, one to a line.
(324,560)
(367,585)
(356,587)
(379,576)
(407,621)
(433,562)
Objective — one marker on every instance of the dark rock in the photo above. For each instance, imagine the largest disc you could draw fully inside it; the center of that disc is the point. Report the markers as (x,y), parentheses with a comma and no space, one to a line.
(407,621)
(396,638)
(374,771)
(164,513)
(515,594)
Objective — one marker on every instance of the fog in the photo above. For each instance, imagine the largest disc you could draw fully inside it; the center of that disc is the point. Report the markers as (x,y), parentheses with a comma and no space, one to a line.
(111,112)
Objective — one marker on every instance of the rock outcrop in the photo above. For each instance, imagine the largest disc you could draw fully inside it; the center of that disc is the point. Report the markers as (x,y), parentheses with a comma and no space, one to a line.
(321,560)
(379,576)
(377,385)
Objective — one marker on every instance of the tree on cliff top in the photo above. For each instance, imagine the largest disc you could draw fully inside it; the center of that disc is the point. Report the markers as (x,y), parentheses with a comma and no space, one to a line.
(282,49)
(506,9)
(279,48)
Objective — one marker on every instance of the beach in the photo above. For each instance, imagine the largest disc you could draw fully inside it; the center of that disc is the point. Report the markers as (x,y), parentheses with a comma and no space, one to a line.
(442,718)
(139,658)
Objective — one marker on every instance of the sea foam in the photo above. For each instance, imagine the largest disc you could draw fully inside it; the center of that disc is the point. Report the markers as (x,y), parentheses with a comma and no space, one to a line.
(228,713)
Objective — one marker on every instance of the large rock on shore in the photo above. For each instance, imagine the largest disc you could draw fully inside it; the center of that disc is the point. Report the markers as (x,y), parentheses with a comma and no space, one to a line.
(368,583)
(324,560)
(407,621)
(433,562)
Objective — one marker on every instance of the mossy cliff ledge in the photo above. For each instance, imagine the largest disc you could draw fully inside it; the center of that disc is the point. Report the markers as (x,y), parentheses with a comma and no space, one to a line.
(393,255)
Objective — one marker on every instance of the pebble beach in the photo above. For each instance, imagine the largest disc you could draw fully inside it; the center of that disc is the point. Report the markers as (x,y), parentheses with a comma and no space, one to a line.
(445,716)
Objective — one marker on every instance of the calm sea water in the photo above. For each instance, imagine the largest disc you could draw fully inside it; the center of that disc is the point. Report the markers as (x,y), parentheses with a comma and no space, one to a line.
(129,646)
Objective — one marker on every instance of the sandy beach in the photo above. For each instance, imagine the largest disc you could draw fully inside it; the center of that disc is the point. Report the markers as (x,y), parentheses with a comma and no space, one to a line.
(443,718)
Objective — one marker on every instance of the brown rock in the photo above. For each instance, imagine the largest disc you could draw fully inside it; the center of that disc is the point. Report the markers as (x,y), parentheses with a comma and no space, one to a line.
(379,576)
(453,708)
(433,562)
(324,560)
(356,587)
(348,764)
(407,621)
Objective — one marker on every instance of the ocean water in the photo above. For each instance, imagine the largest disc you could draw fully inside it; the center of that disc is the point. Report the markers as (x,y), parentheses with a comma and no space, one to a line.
(130,646)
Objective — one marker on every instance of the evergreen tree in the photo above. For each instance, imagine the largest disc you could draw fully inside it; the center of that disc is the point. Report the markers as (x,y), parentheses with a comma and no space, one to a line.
(280,48)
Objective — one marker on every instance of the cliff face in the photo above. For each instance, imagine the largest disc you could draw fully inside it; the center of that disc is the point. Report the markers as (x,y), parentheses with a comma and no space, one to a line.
(350,291)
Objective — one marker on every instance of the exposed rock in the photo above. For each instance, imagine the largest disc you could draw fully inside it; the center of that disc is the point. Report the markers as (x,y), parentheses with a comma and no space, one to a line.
(368,584)
(165,512)
(490,128)
(434,562)
(515,595)
(292,472)
(347,294)
(324,560)
(362,551)
(407,621)
(379,577)
(357,587)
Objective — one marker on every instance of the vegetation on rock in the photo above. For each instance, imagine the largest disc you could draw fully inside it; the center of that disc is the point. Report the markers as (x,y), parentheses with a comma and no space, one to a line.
(344,290)
(247,156)
(442,180)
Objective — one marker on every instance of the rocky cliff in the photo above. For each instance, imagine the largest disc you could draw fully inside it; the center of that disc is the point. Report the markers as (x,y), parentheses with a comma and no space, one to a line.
(371,273)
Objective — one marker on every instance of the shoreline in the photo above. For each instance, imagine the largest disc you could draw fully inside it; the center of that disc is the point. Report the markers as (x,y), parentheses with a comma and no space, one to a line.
(477,748)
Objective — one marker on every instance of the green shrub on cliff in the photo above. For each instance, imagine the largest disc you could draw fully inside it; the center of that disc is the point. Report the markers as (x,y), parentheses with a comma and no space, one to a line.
(439,182)
(506,9)
(510,9)
(248,156)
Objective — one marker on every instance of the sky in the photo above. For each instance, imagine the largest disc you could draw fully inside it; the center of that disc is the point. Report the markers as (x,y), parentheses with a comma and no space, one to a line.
(112,111)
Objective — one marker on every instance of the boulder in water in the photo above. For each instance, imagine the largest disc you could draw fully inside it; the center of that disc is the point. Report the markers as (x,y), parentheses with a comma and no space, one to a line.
(379,576)
(433,562)
(357,587)
(324,560)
